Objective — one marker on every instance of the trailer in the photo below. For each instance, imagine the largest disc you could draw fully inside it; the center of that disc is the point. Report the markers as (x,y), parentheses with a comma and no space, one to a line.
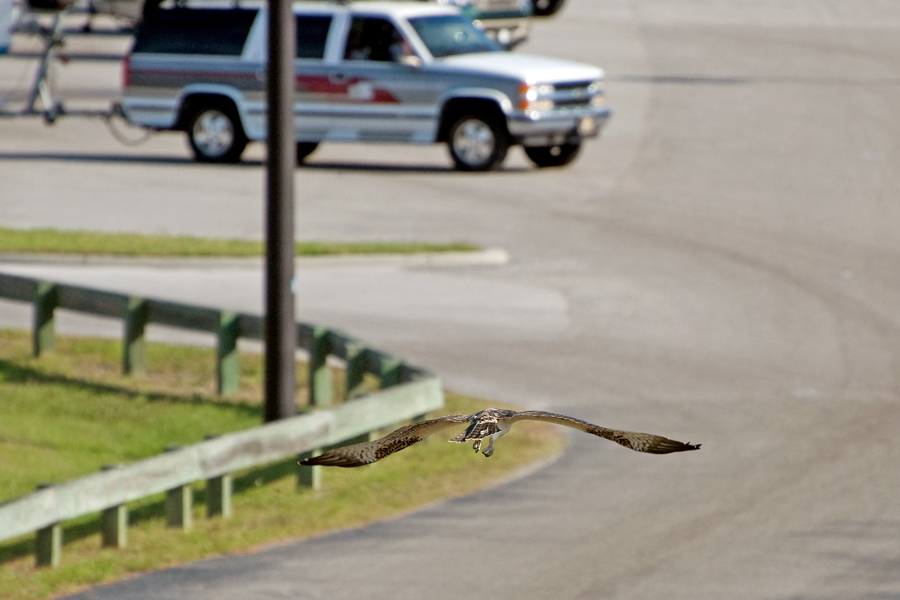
(52,23)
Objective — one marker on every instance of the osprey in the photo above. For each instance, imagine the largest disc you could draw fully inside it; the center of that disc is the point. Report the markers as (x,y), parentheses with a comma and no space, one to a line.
(490,423)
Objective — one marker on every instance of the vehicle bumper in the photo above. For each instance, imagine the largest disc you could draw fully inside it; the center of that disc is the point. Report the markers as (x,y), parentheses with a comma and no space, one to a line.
(155,113)
(558,127)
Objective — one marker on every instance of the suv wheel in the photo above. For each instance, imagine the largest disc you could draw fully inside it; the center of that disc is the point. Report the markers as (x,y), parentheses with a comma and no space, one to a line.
(215,134)
(553,156)
(545,8)
(477,142)
(304,149)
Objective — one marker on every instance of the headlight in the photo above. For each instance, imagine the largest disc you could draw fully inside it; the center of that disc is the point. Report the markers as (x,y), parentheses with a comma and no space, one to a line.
(595,90)
(533,98)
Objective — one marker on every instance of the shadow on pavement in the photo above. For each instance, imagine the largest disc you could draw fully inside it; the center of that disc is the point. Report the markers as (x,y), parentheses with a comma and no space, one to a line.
(251,163)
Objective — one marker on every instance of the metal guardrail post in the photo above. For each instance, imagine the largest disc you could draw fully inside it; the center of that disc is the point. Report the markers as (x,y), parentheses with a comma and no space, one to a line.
(49,546)
(179,506)
(114,527)
(134,350)
(320,393)
(390,372)
(49,542)
(405,375)
(218,493)
(227,360)
(179,502)
(309,476)
(44,330)
(218,496)
(114,522)
(355,369)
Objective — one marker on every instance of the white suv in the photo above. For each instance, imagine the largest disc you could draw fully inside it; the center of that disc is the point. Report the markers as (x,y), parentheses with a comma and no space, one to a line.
(400,72)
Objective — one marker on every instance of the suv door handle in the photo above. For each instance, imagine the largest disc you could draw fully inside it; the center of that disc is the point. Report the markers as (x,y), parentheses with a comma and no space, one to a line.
(337,77)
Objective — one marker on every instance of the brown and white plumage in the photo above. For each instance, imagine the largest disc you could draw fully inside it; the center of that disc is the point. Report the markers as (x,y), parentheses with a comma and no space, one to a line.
(489,423)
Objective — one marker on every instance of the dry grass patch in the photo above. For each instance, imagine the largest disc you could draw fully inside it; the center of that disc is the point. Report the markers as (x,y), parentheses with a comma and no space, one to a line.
(54,241)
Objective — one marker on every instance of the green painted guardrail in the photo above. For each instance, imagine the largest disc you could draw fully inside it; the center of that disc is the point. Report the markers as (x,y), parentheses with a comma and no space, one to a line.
(228,326)
(407,392)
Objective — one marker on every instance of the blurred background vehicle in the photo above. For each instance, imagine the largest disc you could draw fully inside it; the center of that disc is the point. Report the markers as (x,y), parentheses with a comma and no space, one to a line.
(503,20)
(506,21)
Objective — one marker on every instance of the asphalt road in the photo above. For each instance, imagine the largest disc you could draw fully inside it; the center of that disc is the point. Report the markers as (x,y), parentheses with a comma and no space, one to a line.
(720,267)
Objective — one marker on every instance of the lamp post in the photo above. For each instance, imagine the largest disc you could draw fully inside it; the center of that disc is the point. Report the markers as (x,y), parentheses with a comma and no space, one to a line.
(281,331)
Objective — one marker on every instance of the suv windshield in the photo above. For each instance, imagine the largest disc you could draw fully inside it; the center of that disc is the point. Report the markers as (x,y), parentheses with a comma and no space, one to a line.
(447,35)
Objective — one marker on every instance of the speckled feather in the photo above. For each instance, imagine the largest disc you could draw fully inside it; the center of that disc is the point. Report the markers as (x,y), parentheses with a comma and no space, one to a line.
(640,442)
(365,453)
(484,424)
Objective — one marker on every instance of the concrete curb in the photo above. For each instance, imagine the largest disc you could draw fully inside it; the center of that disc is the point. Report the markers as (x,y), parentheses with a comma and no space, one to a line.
(486,257)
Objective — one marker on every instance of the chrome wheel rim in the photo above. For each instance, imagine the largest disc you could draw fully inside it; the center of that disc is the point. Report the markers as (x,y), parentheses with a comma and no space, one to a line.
(213,133)
(473,142)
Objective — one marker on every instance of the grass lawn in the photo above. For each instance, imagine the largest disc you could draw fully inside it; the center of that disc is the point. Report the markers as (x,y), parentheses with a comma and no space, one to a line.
(54,241)
(70,412)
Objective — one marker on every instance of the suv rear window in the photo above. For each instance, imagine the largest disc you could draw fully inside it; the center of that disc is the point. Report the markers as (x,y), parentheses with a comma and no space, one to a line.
(312,33)
(219,32)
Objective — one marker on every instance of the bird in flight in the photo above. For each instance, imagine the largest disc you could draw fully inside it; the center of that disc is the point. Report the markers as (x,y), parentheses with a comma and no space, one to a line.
(490,423)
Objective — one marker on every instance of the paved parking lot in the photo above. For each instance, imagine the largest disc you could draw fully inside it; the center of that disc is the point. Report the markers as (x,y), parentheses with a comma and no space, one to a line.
(719,267)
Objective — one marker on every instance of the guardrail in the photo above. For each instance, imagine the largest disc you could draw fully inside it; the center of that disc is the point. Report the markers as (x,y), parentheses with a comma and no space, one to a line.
(407,392)
(228,326)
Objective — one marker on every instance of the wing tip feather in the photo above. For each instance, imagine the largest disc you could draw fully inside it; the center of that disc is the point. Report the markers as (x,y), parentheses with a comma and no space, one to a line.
(679,447)
(330,461)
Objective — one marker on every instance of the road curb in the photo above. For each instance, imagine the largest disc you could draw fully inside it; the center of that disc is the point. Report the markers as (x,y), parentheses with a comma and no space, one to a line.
(486,257)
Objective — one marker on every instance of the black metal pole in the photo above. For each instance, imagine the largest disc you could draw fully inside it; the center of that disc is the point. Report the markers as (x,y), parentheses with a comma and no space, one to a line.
(281,332)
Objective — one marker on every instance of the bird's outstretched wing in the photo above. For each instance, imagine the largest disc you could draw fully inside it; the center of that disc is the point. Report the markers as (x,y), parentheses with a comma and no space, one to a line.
(366,453)
(642,442)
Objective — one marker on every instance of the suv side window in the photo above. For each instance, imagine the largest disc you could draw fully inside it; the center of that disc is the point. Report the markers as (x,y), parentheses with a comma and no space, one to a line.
(372,38)
(220,32)
(312,33)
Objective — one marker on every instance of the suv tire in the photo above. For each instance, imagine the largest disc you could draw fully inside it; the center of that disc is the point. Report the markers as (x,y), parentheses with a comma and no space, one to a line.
(215,134)
(477,142)
(545,8)
(553,156)
(304,149)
